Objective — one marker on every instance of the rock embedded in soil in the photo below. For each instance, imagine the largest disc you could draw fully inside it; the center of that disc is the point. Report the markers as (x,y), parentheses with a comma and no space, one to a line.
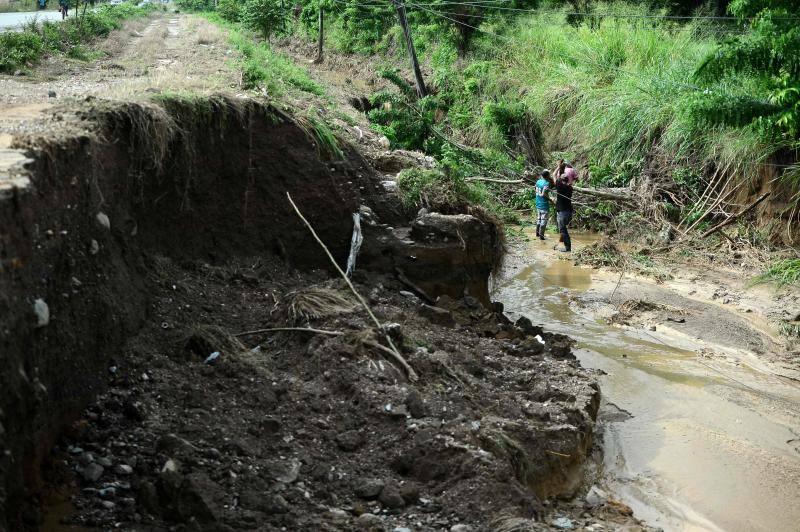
(436,315)
(409,492)
(284,471)
(92,472)
(174,445)
(370,522)
(596,497)
(123,469)
(368,488)
(337,515)
(390,496)
(269,503)
(350,440)
(415,404)
(200,498)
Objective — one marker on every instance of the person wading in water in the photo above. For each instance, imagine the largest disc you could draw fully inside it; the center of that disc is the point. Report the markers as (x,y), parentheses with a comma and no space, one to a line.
(543,187)
(565,177)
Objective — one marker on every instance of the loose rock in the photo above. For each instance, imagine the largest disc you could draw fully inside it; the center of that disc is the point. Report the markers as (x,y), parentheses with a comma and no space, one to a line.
(368,488)
(92,472)
(390,496)
(350,440)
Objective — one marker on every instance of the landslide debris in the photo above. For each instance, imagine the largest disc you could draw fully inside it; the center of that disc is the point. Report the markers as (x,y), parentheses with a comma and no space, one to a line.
(313,432)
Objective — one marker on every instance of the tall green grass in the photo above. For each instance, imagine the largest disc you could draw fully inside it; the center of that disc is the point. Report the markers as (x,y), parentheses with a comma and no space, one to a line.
(781,273)
(263,67)
(618,92)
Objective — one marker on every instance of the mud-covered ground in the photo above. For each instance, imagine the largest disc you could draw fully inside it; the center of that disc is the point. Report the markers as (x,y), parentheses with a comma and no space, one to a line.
(303,431)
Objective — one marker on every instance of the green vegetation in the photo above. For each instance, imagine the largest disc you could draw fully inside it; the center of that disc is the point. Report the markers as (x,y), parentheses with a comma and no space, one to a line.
(433,189)
(19,5)
(770,52)
(18,49)
(698,106)
(21,49)
(627,93)
(321,134)
(781,273)
(603,254)
(262,67)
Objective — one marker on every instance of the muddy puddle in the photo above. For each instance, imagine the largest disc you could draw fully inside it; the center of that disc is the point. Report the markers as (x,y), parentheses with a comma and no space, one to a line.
(692,442)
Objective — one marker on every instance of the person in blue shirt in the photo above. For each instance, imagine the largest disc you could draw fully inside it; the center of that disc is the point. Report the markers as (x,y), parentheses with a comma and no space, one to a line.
(543,187)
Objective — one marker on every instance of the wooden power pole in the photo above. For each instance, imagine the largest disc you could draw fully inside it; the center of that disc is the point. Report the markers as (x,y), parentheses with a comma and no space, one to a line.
(412,55)
(321,35)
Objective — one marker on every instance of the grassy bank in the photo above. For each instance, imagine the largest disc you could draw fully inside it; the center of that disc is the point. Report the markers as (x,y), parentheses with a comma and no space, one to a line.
(23,49)
(262,67)
(615,95)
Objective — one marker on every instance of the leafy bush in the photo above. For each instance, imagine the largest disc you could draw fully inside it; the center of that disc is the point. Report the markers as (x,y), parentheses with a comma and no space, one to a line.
(406,121)
(230,10)
(612,176)
(17,49)
(434,189)
(268,17)
(768,51)
(196,5)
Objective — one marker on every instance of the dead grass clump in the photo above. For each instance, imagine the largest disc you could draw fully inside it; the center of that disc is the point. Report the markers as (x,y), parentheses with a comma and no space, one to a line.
(206,35)
(149,129)
(506,521)
(317,302)
(602,254)
(503,445)
(203,339)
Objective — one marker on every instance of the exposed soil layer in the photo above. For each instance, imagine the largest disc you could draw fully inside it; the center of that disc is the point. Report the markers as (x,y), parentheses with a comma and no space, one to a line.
(128,260)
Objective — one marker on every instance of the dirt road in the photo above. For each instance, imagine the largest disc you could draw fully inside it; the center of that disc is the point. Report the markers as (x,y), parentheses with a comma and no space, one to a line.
(12,21)
(164,53)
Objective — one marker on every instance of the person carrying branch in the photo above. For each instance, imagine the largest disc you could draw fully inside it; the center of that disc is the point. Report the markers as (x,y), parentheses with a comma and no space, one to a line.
(565,177)
(543,187)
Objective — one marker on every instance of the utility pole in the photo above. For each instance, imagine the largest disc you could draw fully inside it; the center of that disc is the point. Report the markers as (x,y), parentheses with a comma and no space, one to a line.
(412,55)
(321,35)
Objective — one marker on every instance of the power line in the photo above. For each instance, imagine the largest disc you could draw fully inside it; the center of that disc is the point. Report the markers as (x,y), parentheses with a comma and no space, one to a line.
(564,55)
(493,5)
(567,56)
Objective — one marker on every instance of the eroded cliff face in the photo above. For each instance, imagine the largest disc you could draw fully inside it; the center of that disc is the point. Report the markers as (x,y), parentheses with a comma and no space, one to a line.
(203,180)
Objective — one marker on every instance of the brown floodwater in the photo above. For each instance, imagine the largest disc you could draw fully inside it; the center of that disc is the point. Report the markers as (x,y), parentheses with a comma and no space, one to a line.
(708,444)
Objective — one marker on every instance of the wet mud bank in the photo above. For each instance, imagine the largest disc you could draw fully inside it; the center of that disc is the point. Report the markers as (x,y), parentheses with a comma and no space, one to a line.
(139,243)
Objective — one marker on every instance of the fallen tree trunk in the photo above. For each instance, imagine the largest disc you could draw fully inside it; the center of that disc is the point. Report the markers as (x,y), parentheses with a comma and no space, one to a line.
(492,180)
(616,194)
(735,216)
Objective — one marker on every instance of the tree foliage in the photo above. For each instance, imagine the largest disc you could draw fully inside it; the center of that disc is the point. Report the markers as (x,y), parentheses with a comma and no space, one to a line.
(770,50)
(268,17)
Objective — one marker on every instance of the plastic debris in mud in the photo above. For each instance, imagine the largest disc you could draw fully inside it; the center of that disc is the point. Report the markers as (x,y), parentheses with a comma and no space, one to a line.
(102,219)
(562,523)
(539,339)
(212,357)
(42,312)
(355,244)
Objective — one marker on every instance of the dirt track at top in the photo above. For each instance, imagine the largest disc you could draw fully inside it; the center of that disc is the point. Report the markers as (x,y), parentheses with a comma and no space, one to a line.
(164,52)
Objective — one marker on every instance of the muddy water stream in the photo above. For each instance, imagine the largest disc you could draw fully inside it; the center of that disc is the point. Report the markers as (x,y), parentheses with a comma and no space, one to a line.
(691,442)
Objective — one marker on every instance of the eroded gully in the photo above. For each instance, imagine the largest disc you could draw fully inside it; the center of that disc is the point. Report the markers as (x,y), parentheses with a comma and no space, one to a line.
(692,442)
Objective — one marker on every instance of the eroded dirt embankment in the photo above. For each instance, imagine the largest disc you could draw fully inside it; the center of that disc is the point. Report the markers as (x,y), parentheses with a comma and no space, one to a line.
(150,233)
